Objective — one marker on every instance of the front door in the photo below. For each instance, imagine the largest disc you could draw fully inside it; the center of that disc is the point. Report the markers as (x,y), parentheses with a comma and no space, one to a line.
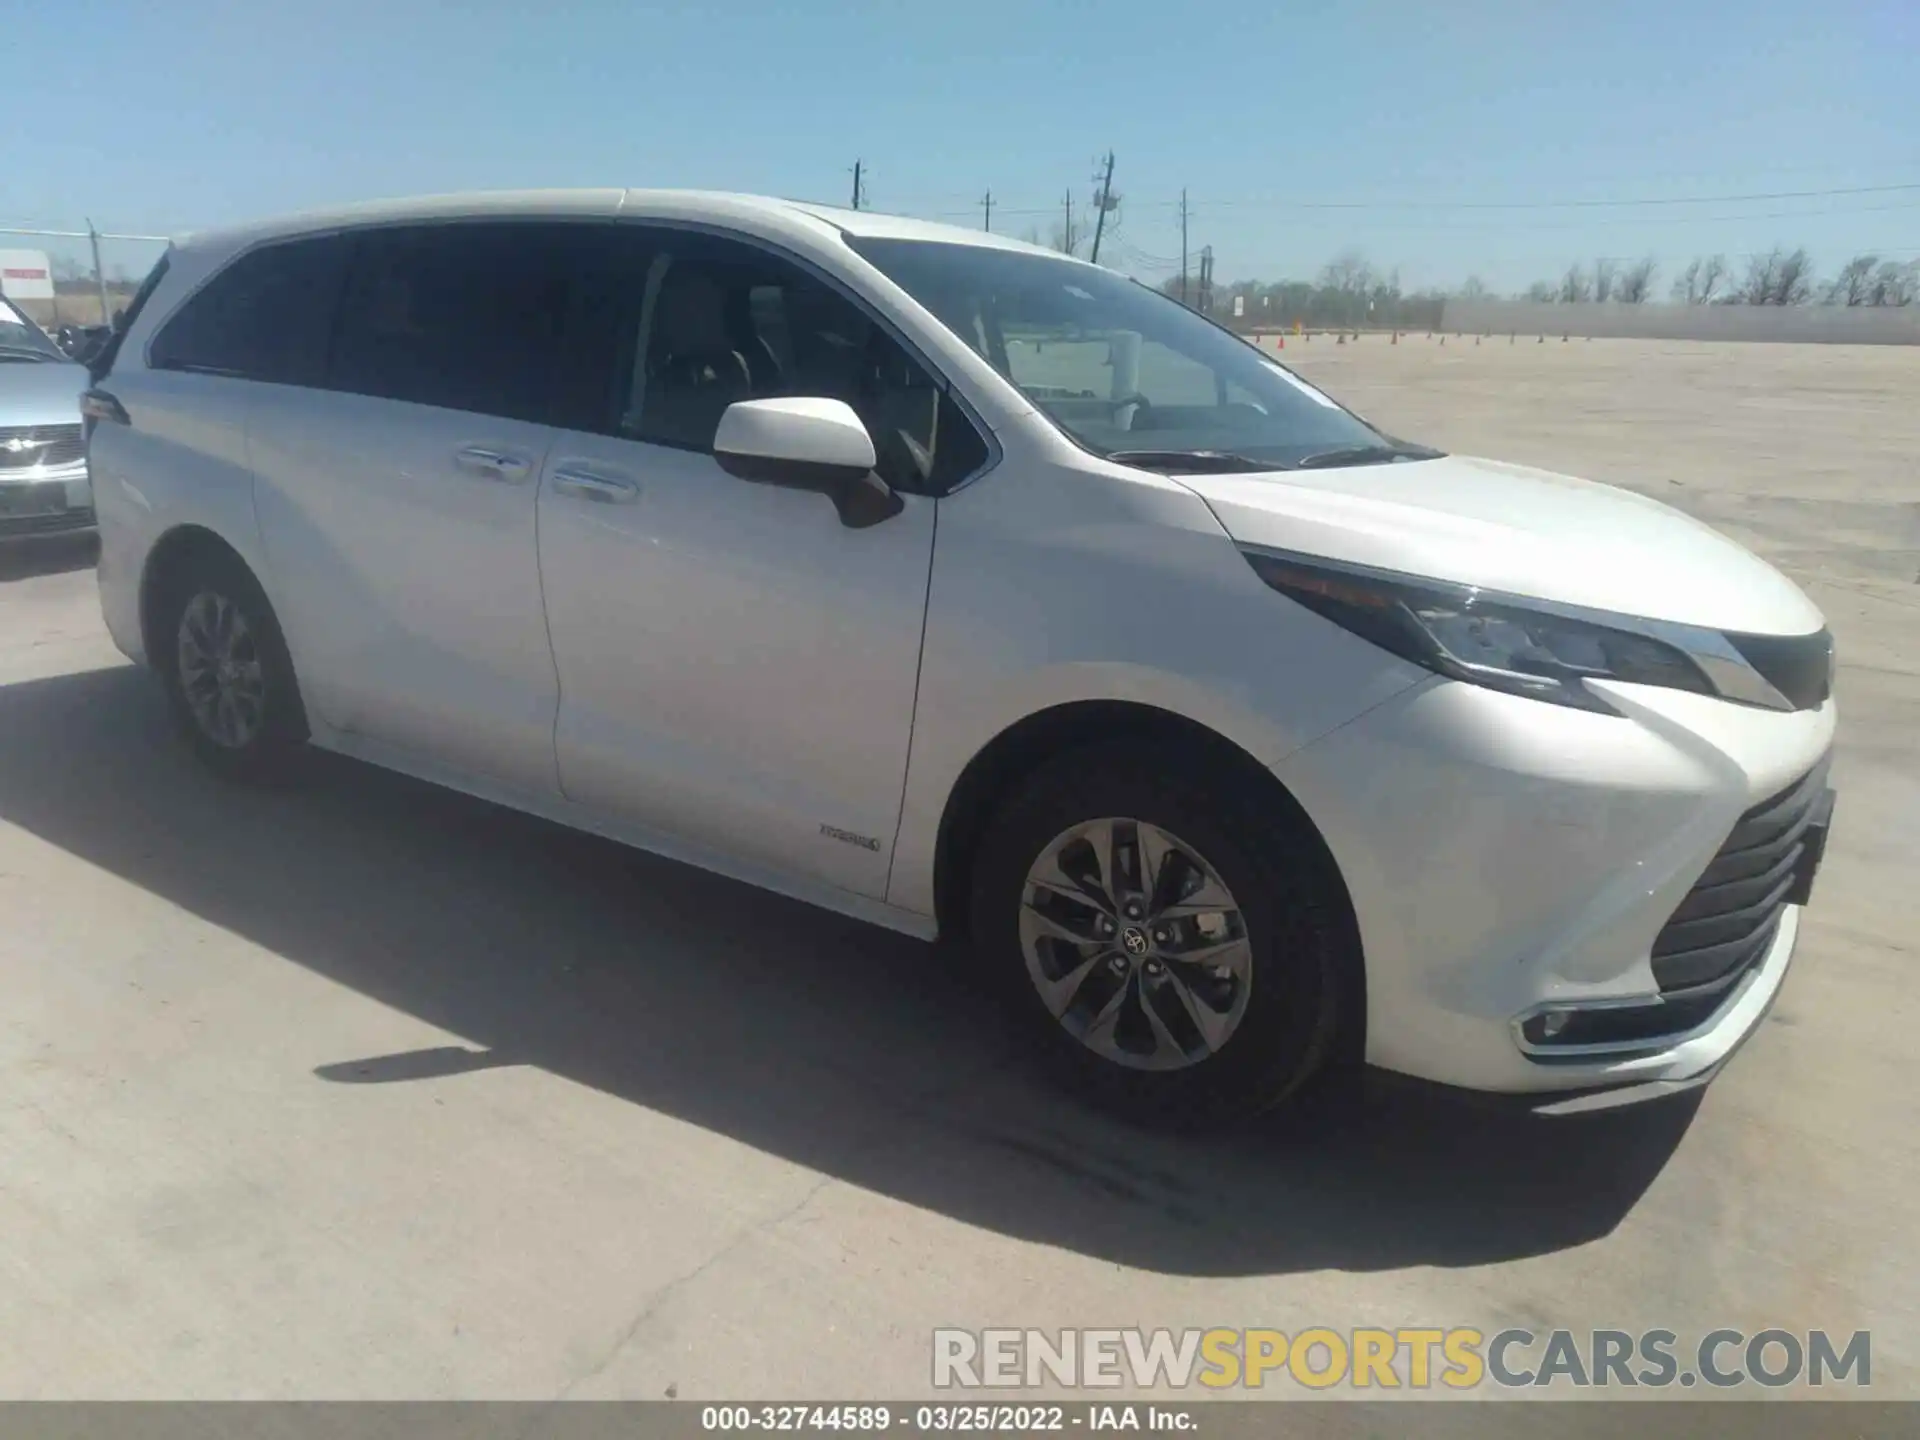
(737,668)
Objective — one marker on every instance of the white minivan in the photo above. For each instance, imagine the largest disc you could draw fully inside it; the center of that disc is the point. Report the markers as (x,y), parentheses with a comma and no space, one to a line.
(983,593)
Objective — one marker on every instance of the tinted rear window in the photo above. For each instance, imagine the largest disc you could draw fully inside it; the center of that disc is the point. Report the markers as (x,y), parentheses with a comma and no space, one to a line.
(265,317)
(463,316)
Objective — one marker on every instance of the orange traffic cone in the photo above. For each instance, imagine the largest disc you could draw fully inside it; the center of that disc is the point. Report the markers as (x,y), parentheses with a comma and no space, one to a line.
(1283,342)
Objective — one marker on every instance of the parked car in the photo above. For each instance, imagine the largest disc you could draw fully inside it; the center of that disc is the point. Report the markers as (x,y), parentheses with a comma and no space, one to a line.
(979,592)
(43,465)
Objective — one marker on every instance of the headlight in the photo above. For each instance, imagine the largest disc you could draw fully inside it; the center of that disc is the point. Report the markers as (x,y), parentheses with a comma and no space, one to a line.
(1501,643)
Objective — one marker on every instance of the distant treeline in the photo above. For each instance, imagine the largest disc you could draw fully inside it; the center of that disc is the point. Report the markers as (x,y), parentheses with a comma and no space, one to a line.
(1350,293)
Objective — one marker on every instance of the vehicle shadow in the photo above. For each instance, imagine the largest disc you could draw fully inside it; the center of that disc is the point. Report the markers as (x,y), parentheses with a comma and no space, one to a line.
(844,1048)
(24,557)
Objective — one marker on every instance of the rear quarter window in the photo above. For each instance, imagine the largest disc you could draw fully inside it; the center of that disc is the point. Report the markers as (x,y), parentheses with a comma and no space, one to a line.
(101,364)
(266,316)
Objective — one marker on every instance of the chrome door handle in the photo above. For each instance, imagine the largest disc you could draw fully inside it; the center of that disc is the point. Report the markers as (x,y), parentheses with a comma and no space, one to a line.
(601,489)
(494,464)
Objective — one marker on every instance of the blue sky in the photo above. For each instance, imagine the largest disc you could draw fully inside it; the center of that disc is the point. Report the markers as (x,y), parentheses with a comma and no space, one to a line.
(1298,127)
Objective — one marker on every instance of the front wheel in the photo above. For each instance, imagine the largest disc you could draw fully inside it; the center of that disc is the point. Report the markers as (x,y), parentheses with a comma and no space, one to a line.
(1178,951)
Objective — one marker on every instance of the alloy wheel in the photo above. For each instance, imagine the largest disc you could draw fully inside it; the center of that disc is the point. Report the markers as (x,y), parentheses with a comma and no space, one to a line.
(221,675)
(1135,944)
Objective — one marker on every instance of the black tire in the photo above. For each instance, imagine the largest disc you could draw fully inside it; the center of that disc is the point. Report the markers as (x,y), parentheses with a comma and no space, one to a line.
(1305,961)
(270,750)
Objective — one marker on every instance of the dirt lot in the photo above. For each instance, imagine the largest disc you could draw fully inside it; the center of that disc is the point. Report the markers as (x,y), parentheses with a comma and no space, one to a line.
(370,1090)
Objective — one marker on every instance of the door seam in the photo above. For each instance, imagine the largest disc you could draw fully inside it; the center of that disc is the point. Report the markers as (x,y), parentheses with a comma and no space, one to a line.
(913,721)
(546,617)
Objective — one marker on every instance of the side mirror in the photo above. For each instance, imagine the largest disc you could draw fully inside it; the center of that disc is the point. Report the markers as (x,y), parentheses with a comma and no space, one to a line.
(807,443)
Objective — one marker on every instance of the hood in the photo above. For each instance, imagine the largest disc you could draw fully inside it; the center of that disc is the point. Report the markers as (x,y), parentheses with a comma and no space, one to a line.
(1513,528)
(44,393)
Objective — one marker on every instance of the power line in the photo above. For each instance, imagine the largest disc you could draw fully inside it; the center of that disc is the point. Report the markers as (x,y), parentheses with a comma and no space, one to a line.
(1415,223)
(1283,203)
(1278,202)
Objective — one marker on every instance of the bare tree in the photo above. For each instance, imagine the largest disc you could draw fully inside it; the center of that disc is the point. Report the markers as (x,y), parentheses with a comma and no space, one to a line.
(1854,284)
(1700,282)
(1349,273)
(1542,292)
(1795,283)
(1715,275)
(1574,286)
(1636,282)
(1895,284)
(1604,275)
(1686,285)
(1779,277)
(1763,273)
(1065,238)
(1474,289)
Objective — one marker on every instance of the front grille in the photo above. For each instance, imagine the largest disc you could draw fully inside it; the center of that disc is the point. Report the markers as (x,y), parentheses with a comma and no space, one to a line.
(1729,918)
(22,447)
(1800,667)
(80,518)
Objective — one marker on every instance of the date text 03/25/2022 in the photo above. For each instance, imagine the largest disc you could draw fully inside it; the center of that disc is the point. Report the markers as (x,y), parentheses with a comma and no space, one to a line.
(947,1418)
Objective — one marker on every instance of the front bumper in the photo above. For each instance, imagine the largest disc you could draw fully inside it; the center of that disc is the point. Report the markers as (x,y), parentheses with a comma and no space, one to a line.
(1507,857)
(45,501)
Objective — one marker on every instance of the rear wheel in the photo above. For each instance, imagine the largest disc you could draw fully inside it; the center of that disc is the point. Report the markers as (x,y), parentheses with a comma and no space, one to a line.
(1177,949)
(225,666)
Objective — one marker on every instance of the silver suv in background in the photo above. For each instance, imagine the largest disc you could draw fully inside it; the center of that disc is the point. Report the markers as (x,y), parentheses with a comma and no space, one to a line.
(43,464)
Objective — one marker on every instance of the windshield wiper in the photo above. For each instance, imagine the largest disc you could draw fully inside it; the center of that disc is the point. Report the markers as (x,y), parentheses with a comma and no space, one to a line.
(31,351)
(1198,462)
(1366,455)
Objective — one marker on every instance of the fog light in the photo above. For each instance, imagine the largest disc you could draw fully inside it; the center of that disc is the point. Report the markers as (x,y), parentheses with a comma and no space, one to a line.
(1622,1025)
(1554,1027)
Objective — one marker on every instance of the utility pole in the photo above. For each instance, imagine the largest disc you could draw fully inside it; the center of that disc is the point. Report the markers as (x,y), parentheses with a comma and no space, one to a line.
(1066,235)
(986,208)
(1104,198)
(99,275)
(859,193)
(1183,247)
(1206,279)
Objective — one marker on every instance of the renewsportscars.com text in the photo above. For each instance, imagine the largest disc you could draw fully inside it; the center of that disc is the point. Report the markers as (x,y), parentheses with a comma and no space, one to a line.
(1416,1358)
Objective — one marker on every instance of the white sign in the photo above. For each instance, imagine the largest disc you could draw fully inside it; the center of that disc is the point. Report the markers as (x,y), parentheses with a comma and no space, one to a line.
(25,275)
(1239,305)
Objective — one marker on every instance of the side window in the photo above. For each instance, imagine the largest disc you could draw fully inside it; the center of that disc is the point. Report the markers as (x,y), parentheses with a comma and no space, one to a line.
(464,316)
(721,321)
(264,317)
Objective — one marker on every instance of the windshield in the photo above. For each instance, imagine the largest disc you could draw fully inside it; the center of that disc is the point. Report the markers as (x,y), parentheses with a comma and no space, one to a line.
(1122,369)
(18,333)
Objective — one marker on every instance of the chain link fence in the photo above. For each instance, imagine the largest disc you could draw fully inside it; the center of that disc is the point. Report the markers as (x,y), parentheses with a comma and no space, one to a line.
(74,280)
